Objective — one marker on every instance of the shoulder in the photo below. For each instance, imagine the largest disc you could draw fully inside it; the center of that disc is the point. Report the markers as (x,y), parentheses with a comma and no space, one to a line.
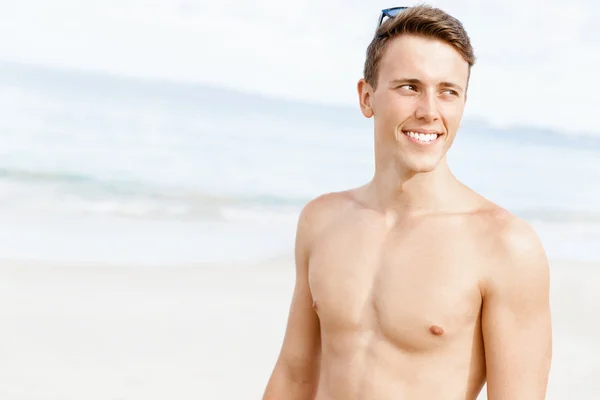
(516,251)
(507,234)
(322,211)
(515,238)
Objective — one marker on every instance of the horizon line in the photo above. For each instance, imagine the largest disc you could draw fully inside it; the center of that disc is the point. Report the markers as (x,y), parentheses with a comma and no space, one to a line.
(157,80)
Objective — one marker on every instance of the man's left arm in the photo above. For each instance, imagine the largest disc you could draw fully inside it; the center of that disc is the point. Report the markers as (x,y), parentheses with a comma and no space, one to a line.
(516,321)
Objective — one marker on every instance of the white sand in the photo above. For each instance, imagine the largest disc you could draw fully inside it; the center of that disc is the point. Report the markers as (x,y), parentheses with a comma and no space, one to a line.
(122,333)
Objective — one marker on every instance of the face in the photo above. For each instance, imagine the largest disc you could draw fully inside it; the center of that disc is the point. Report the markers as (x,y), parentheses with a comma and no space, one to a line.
(418,103)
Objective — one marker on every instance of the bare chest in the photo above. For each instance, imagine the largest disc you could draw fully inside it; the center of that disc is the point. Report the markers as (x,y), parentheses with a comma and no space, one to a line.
(418,289)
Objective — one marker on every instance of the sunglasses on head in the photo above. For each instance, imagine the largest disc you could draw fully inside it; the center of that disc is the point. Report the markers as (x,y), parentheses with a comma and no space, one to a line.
(390,13)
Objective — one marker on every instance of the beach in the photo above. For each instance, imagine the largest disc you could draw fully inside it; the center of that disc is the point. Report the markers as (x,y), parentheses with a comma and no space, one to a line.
(114,332)
(204,332)
(147,230)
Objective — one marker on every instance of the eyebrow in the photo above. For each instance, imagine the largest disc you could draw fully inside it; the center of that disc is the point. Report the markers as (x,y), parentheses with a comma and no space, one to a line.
(414,81)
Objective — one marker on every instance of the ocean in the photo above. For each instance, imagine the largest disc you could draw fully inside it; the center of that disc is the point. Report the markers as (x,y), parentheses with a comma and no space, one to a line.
(104,169)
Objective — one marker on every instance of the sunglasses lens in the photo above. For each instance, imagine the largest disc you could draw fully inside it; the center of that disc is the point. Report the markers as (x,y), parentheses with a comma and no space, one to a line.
(392,12)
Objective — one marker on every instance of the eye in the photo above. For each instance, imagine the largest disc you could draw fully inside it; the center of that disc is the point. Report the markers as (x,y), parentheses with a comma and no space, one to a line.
(451,92)
(408,87)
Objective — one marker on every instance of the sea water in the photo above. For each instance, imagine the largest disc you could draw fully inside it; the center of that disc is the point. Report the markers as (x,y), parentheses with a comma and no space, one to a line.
(98,168)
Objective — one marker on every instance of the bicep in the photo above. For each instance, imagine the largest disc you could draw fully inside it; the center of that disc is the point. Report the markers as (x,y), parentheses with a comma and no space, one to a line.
(301,343)
(517,331)
(518,346)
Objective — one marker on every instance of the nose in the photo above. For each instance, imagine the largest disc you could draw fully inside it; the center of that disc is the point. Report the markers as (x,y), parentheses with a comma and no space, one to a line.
(428,108)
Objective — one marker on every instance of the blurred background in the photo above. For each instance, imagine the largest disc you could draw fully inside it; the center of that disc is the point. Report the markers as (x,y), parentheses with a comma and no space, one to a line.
(176,128)
(140,133)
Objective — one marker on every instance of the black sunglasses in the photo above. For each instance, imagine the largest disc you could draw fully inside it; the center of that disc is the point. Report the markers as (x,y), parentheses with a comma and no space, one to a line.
(390,13)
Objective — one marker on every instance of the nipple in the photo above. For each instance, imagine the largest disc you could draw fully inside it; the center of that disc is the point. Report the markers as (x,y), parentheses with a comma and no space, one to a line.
(315,306)
(436,330)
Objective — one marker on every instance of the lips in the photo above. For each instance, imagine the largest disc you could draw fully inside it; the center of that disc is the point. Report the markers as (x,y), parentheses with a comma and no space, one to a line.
(422,137)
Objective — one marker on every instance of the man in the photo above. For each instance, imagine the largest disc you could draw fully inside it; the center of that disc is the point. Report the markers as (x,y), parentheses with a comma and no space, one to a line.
(413,286)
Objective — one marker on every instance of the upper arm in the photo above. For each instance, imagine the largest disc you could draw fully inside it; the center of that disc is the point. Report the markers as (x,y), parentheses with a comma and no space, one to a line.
(301,344)
(516,321)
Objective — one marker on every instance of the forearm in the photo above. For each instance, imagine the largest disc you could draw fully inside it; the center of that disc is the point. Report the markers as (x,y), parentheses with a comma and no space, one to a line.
(284,385)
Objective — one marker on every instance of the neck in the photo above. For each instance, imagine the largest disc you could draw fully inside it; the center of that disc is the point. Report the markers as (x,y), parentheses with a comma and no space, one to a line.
(408,192)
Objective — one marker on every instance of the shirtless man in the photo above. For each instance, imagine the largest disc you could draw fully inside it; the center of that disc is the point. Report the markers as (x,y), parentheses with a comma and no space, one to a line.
(413,286)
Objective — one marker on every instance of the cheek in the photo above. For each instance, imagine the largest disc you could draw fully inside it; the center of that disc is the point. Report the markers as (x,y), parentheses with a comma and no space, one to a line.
(395,108)
(452,115)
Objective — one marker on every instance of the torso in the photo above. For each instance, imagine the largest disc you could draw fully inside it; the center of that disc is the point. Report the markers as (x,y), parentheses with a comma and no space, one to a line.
(399,304)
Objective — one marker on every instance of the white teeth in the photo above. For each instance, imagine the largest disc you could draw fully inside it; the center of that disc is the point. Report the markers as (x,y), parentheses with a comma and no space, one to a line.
(423,137)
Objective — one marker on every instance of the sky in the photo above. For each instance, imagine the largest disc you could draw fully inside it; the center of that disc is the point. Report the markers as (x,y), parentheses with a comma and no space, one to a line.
(537,61)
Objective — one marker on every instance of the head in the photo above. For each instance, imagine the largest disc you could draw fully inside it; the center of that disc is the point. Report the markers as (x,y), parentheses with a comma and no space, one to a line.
(415,82)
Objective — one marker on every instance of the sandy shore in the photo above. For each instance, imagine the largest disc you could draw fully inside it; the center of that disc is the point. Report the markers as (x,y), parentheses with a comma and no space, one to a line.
(123,333)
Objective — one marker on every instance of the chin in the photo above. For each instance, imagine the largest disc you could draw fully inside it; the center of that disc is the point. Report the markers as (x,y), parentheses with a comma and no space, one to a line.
(420,164)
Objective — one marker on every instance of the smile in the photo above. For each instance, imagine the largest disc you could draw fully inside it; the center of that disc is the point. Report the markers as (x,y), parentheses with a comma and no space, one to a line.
(422,138)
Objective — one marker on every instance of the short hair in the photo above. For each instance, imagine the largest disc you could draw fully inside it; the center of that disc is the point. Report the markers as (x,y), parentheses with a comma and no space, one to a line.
(424,21)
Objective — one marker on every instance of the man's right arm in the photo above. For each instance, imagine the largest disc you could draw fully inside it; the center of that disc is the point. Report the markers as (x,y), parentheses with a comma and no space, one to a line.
(296,372)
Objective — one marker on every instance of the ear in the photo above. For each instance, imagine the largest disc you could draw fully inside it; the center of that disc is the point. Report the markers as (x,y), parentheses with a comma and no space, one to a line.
(364,98)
